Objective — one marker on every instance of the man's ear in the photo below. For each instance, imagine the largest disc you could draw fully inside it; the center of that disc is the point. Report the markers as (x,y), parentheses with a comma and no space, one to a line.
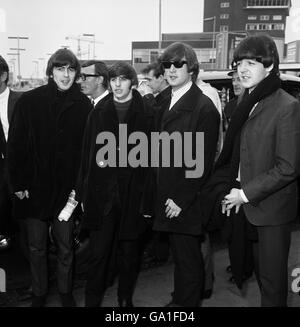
(100,80)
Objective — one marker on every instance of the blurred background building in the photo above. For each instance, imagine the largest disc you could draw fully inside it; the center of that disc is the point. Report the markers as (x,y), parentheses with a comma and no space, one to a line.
(225,24)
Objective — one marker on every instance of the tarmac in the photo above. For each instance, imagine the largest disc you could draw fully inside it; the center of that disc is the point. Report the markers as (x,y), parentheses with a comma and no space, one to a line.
(154,285)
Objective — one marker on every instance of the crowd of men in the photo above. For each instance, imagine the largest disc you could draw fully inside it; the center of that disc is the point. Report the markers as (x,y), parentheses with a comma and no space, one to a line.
(62,156)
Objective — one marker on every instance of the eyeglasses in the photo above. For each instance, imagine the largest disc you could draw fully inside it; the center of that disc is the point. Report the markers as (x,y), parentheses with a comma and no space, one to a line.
(84,76)
(176,64)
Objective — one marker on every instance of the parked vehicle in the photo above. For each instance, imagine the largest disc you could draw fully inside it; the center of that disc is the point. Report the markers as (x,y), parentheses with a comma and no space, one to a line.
(222,82)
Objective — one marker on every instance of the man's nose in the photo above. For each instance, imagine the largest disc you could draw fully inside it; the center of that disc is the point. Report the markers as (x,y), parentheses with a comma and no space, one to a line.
(66,72)
(172,68)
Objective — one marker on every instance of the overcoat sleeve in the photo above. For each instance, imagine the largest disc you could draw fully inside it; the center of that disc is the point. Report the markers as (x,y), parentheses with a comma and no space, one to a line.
(17,148)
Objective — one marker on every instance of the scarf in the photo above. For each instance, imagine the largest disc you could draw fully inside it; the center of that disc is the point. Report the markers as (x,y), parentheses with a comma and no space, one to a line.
(231,149)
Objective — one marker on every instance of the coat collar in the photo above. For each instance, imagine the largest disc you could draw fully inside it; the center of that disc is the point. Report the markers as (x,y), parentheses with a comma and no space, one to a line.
(12,99)
(109,115)
(260,106)
(186,103)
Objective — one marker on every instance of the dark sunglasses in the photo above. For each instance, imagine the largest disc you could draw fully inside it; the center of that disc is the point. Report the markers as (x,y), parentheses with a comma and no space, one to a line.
(176,64)
(84,76)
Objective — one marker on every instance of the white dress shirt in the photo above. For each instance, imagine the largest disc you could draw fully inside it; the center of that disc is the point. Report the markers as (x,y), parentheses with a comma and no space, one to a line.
(104,94)
(4,110)
(176,95)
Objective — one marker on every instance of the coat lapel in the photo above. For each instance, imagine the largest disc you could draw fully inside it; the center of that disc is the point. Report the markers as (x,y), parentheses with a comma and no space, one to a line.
(258,108)
(185,104)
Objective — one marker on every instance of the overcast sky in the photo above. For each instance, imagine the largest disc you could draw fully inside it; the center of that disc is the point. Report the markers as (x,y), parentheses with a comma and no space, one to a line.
(116,23)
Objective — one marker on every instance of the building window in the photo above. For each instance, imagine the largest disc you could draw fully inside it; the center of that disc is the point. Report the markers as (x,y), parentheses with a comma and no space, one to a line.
(251,27)
(264,17)
(268,3)
(252,17)
(141,56)
(277,17)
(225,4)
(224,16)
(223,28)
(278,27)
(264,27)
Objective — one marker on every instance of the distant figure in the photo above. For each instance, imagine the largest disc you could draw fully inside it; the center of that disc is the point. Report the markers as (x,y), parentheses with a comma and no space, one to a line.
(93,80)
(238,91)
(156,86)
(44,155)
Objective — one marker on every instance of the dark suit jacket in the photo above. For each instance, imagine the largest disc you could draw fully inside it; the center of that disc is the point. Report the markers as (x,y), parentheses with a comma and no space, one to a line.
(270,160)
(194,112)
(12,99)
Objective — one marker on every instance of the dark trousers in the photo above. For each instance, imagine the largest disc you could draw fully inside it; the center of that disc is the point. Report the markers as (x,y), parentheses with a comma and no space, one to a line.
(37,239)
(271,254)
(101,252)
(207,254)
(240,246)
(128,267)
(189,269)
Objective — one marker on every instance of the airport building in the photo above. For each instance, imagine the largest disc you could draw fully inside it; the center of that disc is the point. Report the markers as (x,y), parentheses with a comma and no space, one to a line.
(225,24)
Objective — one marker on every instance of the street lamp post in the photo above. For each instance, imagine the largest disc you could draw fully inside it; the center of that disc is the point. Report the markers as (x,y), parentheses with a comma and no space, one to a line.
(18,38)
(159,28)
(94,44)
(36,67)
(43,66)
(213,18)
(13,62)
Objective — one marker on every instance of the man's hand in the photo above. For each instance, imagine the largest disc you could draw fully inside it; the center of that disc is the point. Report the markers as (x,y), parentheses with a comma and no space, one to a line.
(144,89)
(22,194)
(172,210)
(233,199)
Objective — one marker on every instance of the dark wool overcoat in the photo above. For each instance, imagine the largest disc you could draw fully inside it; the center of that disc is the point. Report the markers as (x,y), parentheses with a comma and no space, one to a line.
(100,188)
(194,112)
(12,99)
(44,147)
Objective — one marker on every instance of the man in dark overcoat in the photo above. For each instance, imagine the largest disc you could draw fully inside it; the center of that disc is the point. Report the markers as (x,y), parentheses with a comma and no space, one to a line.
(44,143)
(178,205)
(111,192)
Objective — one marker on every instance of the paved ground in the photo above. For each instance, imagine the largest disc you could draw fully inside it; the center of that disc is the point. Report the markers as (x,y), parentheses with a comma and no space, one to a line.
(155,284)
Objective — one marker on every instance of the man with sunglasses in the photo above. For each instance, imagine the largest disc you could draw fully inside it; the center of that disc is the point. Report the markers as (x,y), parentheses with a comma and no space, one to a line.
(178,207)
(94,80)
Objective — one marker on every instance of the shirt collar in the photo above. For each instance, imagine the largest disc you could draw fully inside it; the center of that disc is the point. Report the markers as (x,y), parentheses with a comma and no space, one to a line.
(180,92)
(104,94)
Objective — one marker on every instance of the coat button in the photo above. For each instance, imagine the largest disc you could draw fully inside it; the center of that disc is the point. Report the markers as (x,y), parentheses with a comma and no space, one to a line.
(100,163)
